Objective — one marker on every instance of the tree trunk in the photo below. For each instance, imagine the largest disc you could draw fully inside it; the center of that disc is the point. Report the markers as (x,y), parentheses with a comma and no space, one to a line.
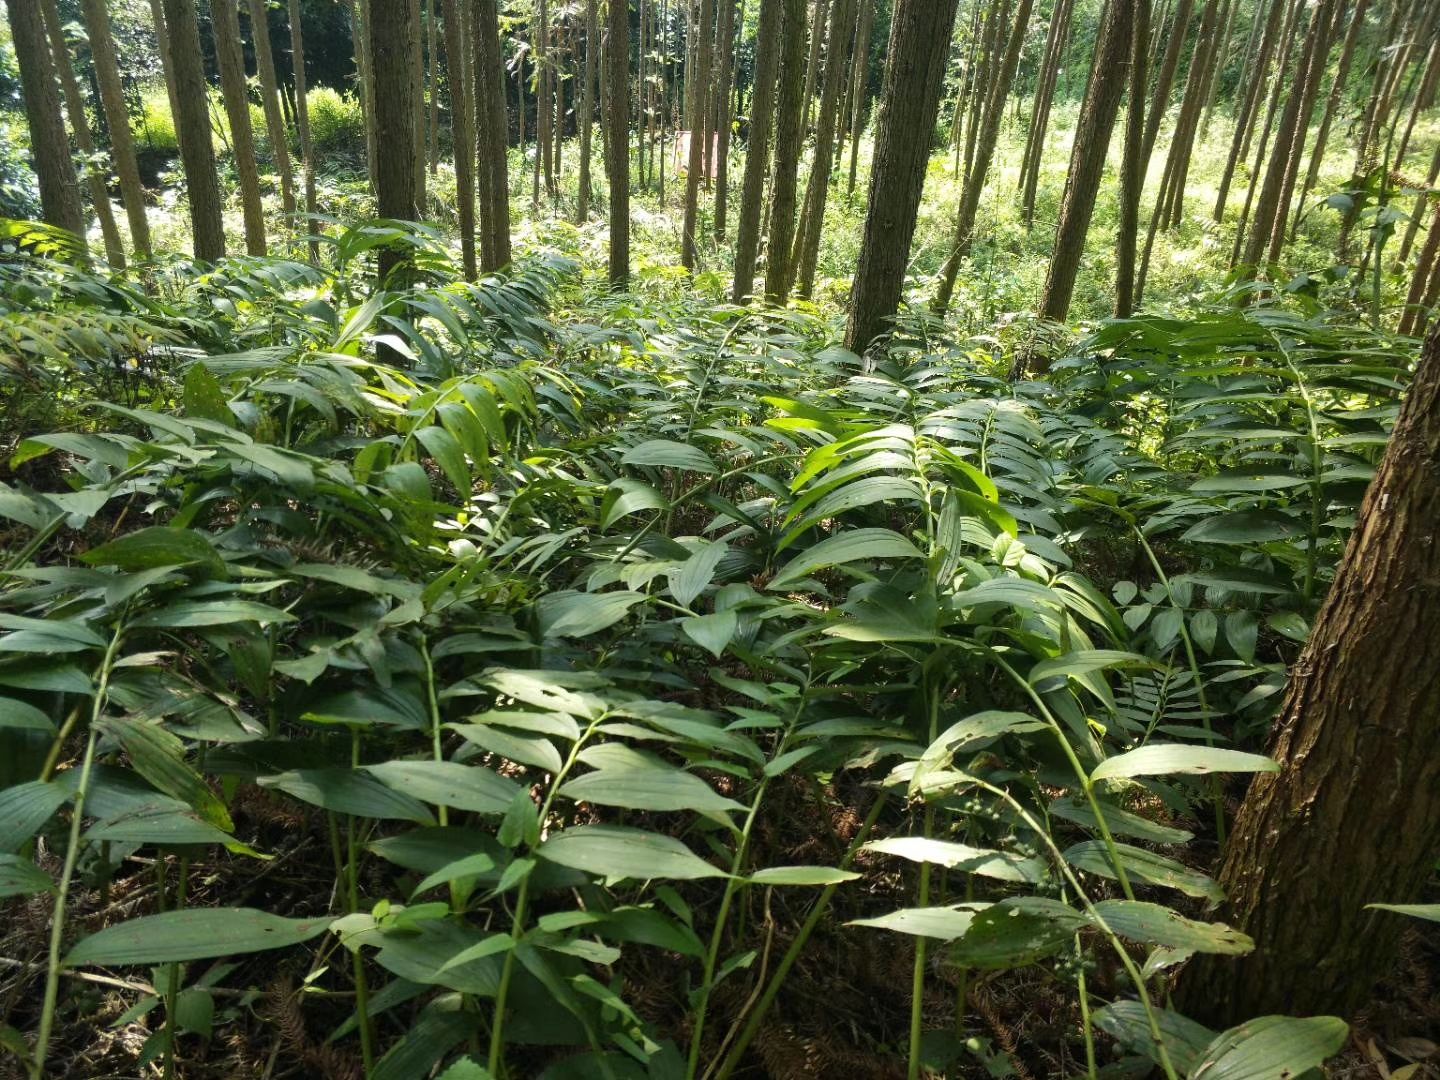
(462,121)
(162,41)
(914,78)
(1040,111)
(492,138)
(995,91)
(117,116)
(617,146)
(812,63)
(270,98)
(544,101)
(1332,102)
(1418,213)
(302,126)
(80,125)
(695,165)
(231,60)
(54,168)
(1087,160)
(862,81)
(432,56)
(392,31)
(757,150)
(725,40)
(1424,98)
(1358,742)
(1250,106)
(192,126)
(586,117)
(1413,318)
(417,101)
(1132,171)
(1165,77)
(817,191)
(365,90)
(789,126)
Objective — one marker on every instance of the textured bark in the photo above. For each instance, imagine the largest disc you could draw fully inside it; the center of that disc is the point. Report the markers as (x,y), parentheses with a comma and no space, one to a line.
(1353,815)
(757,150)
(818,19)
(1424,98)
(725,72)
(1197,87)
(192,126)
(1132,170)
(117,117)
(1217,66)
(914,78)
(585,119)
(704,48)
(1087,159)
(817,190)
(417,101)
(1332,102)
(59,189)
(302,127)
(80,126)
(270,99)
(1165,75)
(1250,105)
(1413,318)
(996,90)
(432,85)
(492,138)
(392,28)
(1418,213)
(365,90)
(544,101)
(863,30)
(617,143)
(225,23)
(789,125)
(162,41)
(462,121)
(1046,79)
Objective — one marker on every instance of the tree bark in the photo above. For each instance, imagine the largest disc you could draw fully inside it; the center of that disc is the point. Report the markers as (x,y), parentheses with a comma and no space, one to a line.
(54,168)
(162,41)
(392,29)
(789,125)
(417,102)
(302,127)
(704,47)
(757,149)
(80,125)
(857,91)
(117,117)
(586,117)
(817,190)
(226,26)
(462,122)
(1087,160)
(1165,76)
(1250,106)
(1358,742)
(725,41)
(1040,108)
(1132,171)
(914,78)
(270,99)
(1413,318)
(492,138)
(192,126)
(617,145)
(812,63)
(1332,102)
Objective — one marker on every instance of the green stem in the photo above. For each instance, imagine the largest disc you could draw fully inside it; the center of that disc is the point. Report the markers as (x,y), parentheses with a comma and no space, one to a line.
(922,898)
(352,879)
(72,855)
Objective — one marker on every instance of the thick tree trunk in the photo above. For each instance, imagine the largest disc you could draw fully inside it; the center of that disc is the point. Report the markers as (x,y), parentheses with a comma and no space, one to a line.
(391,61)
(789,126)
(231,60)
(80,125)
(1358,742)
(462,122)
(914,77)
(817,190)
(1087,160)
(704,48)
(59,188)
(757,149)
(270,98)
(192,126)
(1132,171)
(302,127)
(492,138)
(617,145)
(117,117)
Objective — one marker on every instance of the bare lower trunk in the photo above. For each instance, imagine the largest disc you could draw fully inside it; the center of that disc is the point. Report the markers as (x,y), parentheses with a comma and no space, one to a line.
(1132,176)
(617,144)
(225,23)
(492,138)
(789,123)
(192,126)
(302,127)
(117,117)
(270,98)
(757,149)
(462,123)
(59,189)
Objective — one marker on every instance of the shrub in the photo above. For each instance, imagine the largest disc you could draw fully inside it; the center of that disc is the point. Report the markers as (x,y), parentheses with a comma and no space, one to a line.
(337,124)
(155,127)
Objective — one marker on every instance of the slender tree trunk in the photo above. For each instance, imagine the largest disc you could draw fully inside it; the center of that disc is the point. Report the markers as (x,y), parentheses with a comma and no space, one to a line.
(365,91)
(270,98)
(1188,120)
(1317,62)
(162,40)
(1217,68)
(1087,159)
(701,30)
(995,91)
(725,39)
(462,121)
(59,188)
(617,145)
(1332,102)
(417,102)
(432,56)
(1165,76)
(392,61)
(818,20)
(302,127)
(789,125)
(1040,109)
(1424,98)
(226,26)
(117,116)
(192,126)
(492,137)
(80,125)
(1358,742)
(857,91)
(817,191)
(757,150)
(1413,318)
(545,100)
(1132,178)
(920,35)
(1419,212)
(1250,108)
(586,117)
(1271,110)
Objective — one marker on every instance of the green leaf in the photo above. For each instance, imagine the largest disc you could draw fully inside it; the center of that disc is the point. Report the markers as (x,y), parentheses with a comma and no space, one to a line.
(712,632)
(204,397)
(1118,821)
(160,824)
(614,851)
(943,923)
(626,496)
(1128,1023)
(972,860)
(21,877)
(1170,758)
(1416,911)
(191,613)
(840,550)
(1093,857)
(24,808)
(159,757)
(1082,662)
(671,455)
(527,750)
(22,716)
(1158,925)
(192,934)
(1248,482)
(801,875)
(1271,1046)
(158,545)
(634,780)
(347,791)
(1017,931)
(1243,527)
(448,783)
(568,613)
(695,573)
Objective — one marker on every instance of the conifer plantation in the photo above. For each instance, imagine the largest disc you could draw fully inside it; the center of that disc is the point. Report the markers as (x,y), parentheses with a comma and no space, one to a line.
(720,539)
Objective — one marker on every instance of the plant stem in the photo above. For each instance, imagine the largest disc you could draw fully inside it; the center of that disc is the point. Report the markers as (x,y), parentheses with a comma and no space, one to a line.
(352,881)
